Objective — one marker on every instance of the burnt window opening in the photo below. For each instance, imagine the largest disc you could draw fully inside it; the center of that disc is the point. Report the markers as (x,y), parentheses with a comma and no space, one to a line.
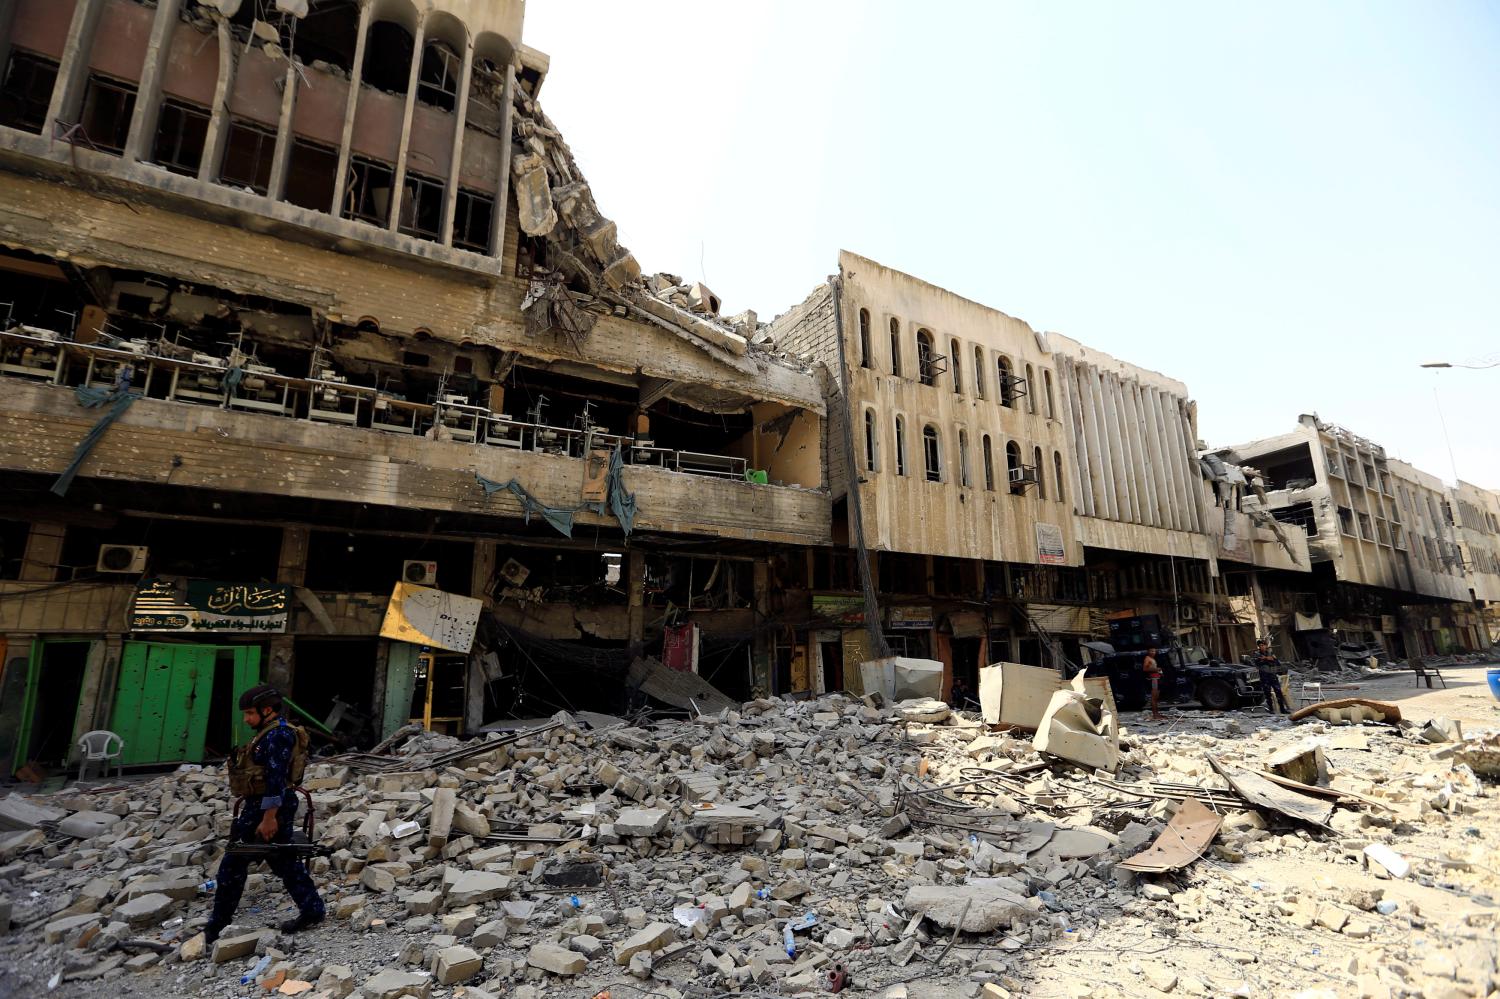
(474,221)
(422,206)
(965,474)
(388,57)
(1047,380)
(900,449)
(978,372)
(1030,399)
(181,130)
(896,347)
(1014,470)
(414,360)
(437,81)
(107,107)
(327,33)
(1060,493)
(932,454)
(871,443)
(1037,463)
(311,172)
(1346,521)
(1006,378)
(27,91)
(958,371)
(989,464)
(369,195)
(1299,514)
(864,338)
(248,153)
(463,365)
(928,360)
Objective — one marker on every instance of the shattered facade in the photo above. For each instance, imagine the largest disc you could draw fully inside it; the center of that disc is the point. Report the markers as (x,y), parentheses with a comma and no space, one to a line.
(301,301)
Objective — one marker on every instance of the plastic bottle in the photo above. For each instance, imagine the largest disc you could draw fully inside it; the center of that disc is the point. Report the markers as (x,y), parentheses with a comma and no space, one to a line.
(254,973)
(208,887)
(574,902)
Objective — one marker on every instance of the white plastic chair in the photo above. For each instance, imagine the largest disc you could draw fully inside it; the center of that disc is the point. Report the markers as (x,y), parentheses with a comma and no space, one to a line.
(95,746)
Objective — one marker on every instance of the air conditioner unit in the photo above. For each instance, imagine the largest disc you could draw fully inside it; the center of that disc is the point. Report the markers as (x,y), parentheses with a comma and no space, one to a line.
(1022,473)
(420,573)
(514,572)
(122,558)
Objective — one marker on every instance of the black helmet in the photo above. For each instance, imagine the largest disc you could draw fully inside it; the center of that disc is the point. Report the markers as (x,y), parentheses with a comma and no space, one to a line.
(263,695)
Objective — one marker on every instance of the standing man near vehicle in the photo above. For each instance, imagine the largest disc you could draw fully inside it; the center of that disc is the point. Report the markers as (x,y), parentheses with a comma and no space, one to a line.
(1153,673)
(1269,668)
(264,774)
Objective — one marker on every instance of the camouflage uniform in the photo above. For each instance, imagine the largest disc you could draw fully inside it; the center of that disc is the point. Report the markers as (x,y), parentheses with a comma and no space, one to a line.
(274,752)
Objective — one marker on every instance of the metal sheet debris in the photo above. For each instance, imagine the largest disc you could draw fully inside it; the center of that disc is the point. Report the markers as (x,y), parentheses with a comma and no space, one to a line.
(1184,840)
(1263,793)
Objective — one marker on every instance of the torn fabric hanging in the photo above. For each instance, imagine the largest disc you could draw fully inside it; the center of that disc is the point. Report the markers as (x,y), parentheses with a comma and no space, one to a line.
(621,503)
(92,398)
(558,517)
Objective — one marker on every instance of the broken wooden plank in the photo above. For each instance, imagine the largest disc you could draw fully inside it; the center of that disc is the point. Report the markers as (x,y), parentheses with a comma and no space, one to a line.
(1184,840)
(1263,793)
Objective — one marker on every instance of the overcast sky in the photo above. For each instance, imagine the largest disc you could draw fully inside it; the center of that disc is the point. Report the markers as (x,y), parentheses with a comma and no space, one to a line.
(1288,206)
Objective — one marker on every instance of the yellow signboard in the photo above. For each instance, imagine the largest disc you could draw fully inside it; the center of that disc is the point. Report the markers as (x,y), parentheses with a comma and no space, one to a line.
(424,616)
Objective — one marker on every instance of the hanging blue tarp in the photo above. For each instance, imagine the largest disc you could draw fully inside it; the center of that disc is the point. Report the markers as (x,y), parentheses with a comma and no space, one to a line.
(92,398)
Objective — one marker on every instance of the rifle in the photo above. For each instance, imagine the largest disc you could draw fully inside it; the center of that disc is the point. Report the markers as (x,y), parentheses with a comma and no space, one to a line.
(299,848)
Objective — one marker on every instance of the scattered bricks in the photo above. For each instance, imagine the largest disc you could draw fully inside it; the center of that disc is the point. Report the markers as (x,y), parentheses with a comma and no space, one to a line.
(440,822)
(142,961)
(234,948)
(556,960)
(15,844)
(641,821)
(17,812)
(473,887)
(491,934)
(461,923)
(87,825)
(653,937)
(337,980)
(588,946)
(144,911)
(391,984)
(192,948)
(769,841)
(793,860)
(377,879)
(456,964)
(740,897)
(469,821)
(422,903)
(68,927)
(790,890)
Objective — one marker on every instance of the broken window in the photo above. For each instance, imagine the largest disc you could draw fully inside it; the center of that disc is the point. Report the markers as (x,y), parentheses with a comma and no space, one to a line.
(248,154)
(989,463)
(1036,463)
(1047,380)
(927,358)
(965,474)
(1057,478)
(388,57)
(422,206)
(180,133)
(896,347)
(900,445)
(1014,472)
(473,221)
(870,441)
(1007,381)
(958,372)
(107,107)
(932,453)
(311,171)
(1346,521)
(328,33)
(864,338)
(979,372)
(27,91)
(369,196)
(1366,531)
(1030,399)
(437,82)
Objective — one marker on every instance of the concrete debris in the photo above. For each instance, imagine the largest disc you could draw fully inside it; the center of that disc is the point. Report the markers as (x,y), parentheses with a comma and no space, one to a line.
(860,833)
(1350,711)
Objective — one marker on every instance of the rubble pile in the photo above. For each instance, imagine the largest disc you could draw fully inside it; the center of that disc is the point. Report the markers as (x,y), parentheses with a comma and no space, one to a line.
(793,847)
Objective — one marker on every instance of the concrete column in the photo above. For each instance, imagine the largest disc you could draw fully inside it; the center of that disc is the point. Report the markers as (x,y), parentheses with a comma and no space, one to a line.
(43,551)
(1173,427)
(1137,469)
(398,192)
(1106,449)
(109,679)
(1120,451)
(502,186)
(1082,494)
(460,115)
(291,565)
(139,141)
(73,69)
(635,610)
(1191,477)
(763,645)
(1091,435)
(351,107)
(281,156)
(218,122)
(91,695)
(1171,510)
(1148,460)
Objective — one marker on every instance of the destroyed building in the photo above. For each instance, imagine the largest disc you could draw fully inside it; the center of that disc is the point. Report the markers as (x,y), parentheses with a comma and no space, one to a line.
(303,301)
(1388,570)
(1479,539)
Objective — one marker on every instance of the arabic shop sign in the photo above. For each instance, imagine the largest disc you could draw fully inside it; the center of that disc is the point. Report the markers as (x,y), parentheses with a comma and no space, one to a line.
(205,605)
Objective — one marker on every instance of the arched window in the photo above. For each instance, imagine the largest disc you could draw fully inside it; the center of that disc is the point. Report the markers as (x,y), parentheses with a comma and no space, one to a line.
(965,474)
(437,80)
(1058,490)
(1007,382)
(1041,483)
(1047,379)
(864,338)
(989,464)
(958,372)
(871,442)
(388,55)
(1030,395)
(927,364)
(896,347)
(900,444)
(932,453)
(1013,468)
(978,372)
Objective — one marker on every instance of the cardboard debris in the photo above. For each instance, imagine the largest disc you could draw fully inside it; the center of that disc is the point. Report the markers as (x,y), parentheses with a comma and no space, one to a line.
(1184,840)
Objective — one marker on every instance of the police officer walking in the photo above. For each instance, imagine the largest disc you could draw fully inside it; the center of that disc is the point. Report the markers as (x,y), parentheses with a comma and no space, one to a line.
(264,774)
(1269,668)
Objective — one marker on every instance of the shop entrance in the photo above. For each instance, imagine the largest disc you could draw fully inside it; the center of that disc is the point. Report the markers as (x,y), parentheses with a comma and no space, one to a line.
(437,696)
(330,672)
(966,662)
(178,703)
(832,653)
(53,682)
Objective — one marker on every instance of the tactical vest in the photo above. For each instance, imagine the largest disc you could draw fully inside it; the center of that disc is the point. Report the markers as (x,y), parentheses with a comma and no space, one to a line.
(248,778)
